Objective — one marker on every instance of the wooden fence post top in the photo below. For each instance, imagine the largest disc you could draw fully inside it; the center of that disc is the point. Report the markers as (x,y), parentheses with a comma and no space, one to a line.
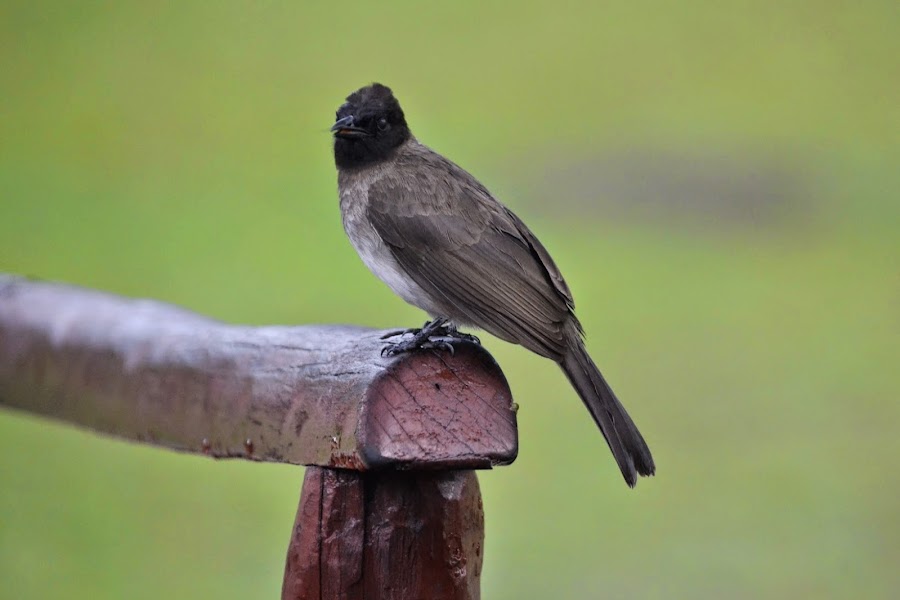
(312,395)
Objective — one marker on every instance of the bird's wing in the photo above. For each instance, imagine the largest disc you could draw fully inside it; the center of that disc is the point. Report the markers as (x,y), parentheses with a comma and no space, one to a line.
(472,255)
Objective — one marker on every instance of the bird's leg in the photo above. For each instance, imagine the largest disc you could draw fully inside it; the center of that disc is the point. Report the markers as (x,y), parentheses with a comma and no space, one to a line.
(437,334)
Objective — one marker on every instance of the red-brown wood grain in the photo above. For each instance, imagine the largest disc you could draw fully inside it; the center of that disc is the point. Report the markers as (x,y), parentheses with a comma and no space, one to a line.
(386,536)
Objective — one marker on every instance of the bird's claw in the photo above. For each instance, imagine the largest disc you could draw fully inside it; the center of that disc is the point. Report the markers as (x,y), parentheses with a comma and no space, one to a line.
(390,350)
(430,343)
(434,335)
(439,343)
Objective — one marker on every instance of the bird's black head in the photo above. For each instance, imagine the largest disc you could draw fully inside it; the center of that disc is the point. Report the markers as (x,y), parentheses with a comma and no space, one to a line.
(369,127)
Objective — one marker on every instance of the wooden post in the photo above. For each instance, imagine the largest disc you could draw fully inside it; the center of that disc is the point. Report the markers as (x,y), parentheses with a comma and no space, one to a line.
(392,536)
(390,507)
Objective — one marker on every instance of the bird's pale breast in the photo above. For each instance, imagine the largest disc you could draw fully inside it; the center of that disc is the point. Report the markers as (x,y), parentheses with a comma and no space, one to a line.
(375,254)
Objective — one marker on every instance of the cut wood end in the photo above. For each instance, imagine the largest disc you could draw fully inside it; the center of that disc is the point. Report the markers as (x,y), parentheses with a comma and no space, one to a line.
(433,409)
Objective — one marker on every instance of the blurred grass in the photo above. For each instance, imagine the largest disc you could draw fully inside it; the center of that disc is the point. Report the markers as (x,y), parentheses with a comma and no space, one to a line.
(180,151)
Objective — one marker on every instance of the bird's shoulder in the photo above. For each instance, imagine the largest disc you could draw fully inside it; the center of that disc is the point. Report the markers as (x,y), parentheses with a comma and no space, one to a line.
(422,181)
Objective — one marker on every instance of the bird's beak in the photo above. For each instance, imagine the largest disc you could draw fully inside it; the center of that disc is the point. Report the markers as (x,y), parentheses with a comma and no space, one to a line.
(344,128)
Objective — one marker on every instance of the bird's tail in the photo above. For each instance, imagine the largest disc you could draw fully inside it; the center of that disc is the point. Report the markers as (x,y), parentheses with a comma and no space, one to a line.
(622,435)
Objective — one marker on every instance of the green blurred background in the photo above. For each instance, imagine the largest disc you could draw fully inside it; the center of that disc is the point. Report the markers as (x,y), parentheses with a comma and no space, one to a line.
(718,181)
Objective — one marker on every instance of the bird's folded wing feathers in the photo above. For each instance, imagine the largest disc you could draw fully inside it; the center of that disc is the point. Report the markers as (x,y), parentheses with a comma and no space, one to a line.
(481,262)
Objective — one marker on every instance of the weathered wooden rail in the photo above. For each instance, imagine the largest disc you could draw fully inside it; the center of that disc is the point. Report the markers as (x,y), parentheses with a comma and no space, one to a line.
(390,507)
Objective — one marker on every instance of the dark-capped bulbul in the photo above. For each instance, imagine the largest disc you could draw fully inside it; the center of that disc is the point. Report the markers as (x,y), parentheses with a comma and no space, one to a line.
(443,243)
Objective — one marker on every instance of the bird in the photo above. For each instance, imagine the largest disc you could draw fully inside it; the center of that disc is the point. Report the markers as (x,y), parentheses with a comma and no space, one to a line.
(441,241)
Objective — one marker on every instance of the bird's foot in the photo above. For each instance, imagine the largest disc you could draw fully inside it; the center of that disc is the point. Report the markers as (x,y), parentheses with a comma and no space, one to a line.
(430,343)
(438,334)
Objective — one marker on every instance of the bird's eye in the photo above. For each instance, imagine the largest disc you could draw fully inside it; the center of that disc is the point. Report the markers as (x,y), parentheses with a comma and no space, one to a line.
(382,124)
